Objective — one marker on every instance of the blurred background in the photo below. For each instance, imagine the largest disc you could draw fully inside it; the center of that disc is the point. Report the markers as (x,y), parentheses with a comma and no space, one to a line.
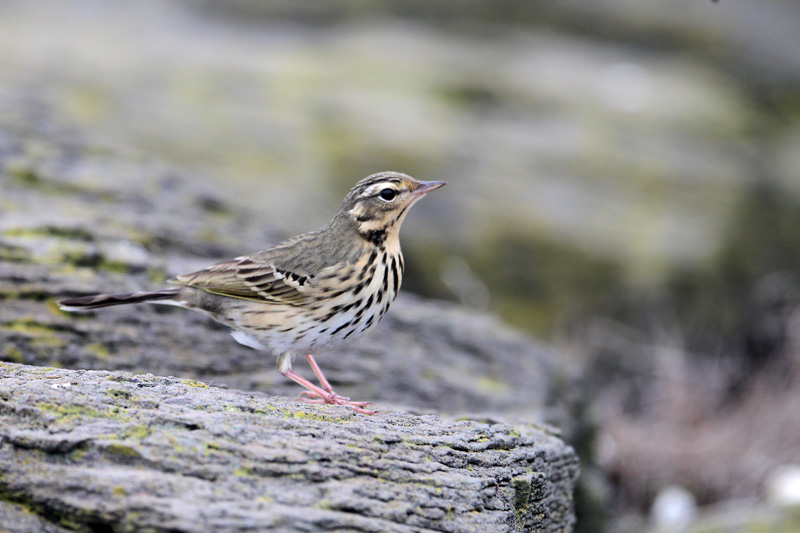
(624,184)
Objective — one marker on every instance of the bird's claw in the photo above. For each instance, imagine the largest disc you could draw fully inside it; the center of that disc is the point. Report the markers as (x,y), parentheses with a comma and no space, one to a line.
(332,398)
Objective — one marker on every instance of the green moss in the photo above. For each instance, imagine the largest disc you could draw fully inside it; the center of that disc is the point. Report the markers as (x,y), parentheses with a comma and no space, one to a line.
(118,491)
(116,393)
(145,239)
(315,416)
(324,504)
(78,451)
(196,384)
(21,501)
(47,342)
(25,175)
(211,236)
(17,499)
(52,306)
(211,447)
(137,432)
(78,234)
(13,253)
(25,292)
(156,275)
(94,260)
(13,354)
(469,93)
(69,412)
(98,349)
(427,373)
(522,493)
(488,384)
(69,523)
(534,276)
(242,471)
(115,267)
(123,450)
(32,328)
(116,412)
(175,444)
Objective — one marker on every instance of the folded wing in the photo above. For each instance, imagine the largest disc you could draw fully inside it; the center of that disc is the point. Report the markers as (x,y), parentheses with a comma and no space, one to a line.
(249,279)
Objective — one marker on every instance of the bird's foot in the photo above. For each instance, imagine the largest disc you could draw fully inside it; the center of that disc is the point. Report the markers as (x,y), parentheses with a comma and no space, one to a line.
(331,398)
(323,394)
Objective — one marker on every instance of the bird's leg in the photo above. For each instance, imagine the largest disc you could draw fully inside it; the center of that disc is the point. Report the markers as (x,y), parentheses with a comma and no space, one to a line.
(324,394)
(318,372)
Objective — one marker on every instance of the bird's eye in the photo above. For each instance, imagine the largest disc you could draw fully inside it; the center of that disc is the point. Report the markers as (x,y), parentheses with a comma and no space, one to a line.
(387,194)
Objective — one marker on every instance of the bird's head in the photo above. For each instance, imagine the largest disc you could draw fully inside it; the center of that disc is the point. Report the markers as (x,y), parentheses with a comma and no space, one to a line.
(378,204)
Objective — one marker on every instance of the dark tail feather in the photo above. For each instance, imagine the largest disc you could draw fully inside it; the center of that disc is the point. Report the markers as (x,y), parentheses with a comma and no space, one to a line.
(87,303)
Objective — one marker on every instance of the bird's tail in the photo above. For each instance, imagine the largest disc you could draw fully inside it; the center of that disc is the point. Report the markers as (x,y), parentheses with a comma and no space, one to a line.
(87,303)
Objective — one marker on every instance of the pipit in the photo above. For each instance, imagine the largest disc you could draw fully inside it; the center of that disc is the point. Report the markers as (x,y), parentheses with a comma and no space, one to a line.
(314,292)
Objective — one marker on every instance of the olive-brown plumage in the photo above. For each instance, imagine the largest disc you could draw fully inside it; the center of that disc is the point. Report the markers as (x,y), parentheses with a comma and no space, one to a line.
(317,291)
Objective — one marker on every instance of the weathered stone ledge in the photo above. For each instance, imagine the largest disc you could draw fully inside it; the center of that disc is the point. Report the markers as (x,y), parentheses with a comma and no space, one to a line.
(113,451)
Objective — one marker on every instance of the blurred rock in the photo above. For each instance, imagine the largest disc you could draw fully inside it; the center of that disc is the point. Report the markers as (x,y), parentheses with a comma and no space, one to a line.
(633,154)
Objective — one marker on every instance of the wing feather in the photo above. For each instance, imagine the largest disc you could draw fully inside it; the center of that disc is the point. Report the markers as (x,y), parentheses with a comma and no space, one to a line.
(247,278)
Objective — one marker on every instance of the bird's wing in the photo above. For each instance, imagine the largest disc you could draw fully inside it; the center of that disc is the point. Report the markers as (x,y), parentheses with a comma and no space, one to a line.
(250,279)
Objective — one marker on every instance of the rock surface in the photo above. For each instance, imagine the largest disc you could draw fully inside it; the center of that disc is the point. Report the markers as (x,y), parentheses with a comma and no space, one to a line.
(92,450)
(102,448)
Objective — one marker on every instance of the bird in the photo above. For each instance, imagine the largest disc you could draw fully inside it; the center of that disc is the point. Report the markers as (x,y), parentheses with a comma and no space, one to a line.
(315,292)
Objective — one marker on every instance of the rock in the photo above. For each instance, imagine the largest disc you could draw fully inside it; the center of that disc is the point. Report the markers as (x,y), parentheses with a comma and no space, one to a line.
(92,450)
(108,445)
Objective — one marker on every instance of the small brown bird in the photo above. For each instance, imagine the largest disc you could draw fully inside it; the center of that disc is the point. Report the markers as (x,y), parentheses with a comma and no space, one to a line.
(316,291)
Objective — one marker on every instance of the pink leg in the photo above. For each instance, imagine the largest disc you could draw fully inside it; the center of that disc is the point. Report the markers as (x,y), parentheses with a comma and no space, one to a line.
(324,394)
(318,372)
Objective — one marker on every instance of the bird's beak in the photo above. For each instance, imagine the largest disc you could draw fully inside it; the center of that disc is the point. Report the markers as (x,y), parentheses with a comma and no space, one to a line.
(427,186)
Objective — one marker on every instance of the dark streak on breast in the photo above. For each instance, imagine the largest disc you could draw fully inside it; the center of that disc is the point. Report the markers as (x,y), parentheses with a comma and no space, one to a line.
(375,236)
(369,323)
(395,277)
(360,287)
(340,328)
